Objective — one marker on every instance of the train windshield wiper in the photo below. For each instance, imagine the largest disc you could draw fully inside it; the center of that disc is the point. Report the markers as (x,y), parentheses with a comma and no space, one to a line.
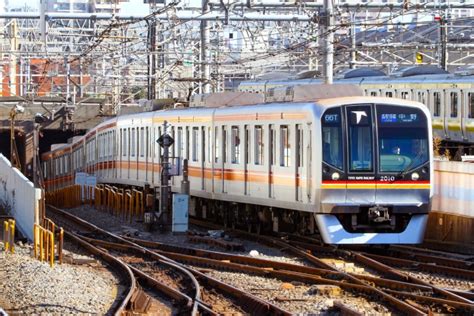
(407,168)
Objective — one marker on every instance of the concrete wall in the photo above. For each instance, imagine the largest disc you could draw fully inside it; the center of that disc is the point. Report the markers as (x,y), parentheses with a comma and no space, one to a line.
(19,197)
(454,188)
(452,218)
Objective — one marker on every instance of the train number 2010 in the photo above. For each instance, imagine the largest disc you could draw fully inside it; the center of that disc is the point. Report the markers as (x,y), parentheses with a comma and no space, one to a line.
(387,178)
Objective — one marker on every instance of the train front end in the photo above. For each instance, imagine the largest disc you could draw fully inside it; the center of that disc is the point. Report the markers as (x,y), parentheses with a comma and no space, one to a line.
(376,172)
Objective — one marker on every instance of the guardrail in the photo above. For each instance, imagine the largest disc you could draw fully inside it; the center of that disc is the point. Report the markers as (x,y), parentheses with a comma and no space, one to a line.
(126,204)
(44,242)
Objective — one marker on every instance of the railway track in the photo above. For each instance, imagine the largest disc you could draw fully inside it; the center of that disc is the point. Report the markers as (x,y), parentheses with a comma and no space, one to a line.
(406,292)
(208,293)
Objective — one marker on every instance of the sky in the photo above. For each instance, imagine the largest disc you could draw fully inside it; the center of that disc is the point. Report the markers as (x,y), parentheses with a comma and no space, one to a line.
(133,6)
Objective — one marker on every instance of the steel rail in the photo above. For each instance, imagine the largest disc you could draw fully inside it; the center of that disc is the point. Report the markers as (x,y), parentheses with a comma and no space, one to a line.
(117,265)
(96,229)
(287,275)
(263,306)
(199,261)
(395,302)
(370,260)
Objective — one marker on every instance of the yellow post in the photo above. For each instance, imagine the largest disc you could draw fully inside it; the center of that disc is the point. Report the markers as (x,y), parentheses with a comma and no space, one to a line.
(5,236)
(41,243)
(51,250)
(46,246)
(12,235)
(35,240)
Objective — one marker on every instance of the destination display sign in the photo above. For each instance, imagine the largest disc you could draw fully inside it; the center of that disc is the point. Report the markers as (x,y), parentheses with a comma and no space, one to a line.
(398,118)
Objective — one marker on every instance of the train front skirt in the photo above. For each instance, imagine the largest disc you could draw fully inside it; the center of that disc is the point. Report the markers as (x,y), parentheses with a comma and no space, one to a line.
(332,232)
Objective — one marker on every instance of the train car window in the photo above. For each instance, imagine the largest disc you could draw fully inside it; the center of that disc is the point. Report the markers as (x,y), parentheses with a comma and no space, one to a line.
(247,144)
(224,144)
(299,146)
(332,138)
(470,109)
(389,94)
(216,149)
(273,148)
(402,138)
(124,142)
(133,142)
(180,143)
(373,93)
(235,145)
(187,153)
(111,143)
(436,104)
(128,142)
(209,142)
(422,97)
(360,138)
(203,141)
(404,95)
(454,104)
(142,141)
(259,145)
(195,143)
(147,143)
(285,147)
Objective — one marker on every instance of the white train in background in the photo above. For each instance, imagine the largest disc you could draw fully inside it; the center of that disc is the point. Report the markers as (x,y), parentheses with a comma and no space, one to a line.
(449,97)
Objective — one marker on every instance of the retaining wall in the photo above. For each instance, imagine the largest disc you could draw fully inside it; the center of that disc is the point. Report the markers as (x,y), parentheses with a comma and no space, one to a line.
(19,197)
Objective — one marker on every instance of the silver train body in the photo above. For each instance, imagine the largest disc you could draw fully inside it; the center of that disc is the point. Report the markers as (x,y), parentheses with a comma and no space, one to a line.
(341,163)
(449,97)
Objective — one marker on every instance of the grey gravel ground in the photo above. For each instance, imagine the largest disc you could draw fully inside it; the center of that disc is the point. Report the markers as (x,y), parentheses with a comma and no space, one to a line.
(30,287)
(296,297)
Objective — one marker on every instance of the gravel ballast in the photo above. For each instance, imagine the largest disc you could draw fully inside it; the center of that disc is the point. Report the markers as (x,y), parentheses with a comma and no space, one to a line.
(30,287)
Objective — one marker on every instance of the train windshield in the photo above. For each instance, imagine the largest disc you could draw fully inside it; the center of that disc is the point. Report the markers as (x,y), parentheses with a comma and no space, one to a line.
(403,138)
(332,138)
(360,138)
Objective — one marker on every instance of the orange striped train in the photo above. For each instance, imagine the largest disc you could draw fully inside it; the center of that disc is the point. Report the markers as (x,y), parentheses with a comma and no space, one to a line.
(360,168)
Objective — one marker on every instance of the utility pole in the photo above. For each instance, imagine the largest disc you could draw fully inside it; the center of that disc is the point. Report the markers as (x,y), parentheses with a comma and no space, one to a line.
(205,69)
(353,43)
(328,36)
(43,23)
(443,29)
(151,82)
(151,60)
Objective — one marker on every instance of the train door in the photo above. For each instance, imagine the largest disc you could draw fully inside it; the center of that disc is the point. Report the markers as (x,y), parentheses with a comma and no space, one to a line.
(309,162)
(453,115)
(468,121)
(361,162)
(436,102)
(217,168)
(272,150)
(299,162)
(247,154)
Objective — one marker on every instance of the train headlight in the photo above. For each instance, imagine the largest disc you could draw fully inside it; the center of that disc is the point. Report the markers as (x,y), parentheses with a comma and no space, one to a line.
(415,176)
(335,176)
